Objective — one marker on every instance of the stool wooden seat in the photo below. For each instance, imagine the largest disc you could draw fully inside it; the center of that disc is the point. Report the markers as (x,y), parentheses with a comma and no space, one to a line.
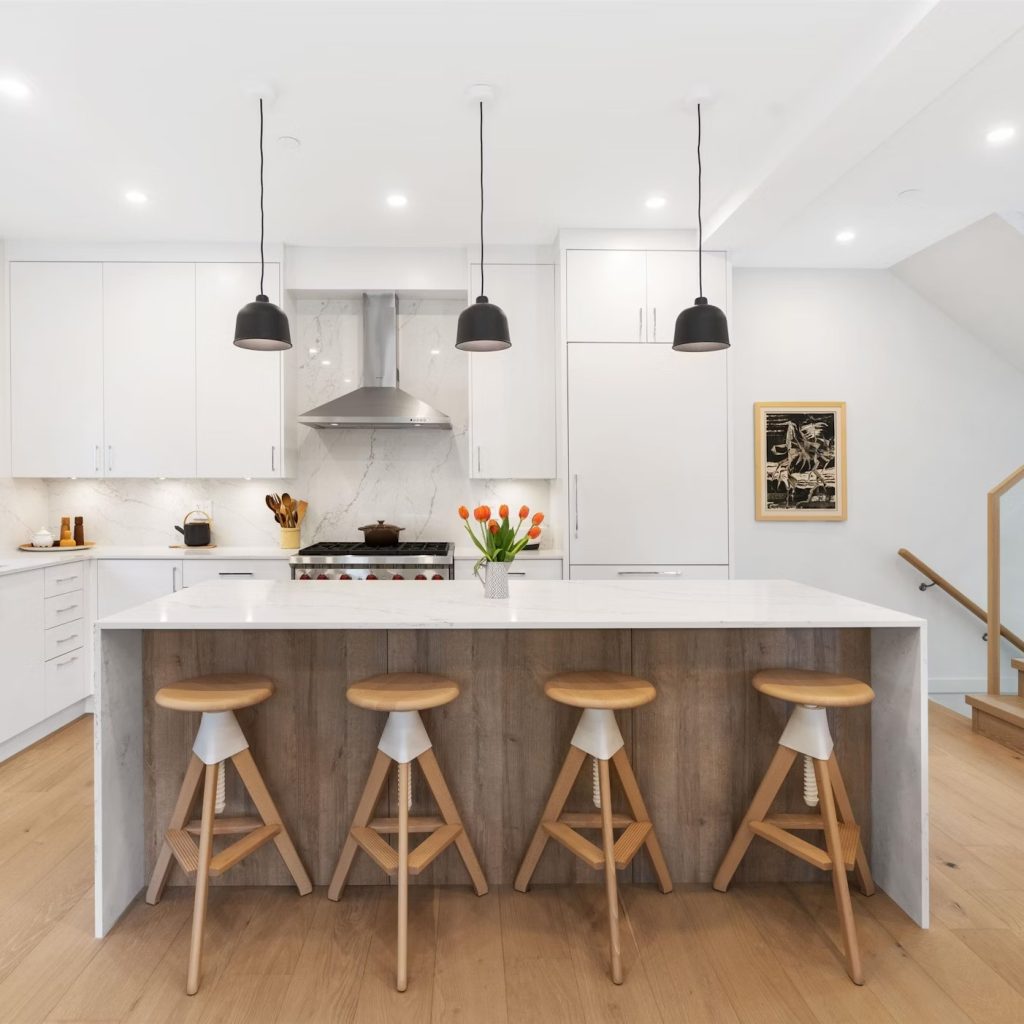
(807,733)
(821,689)
(404,740)
(219,739)
(606,690)
(600,695)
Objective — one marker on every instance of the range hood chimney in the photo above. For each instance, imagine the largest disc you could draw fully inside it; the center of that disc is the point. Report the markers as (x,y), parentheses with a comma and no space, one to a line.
(380,402)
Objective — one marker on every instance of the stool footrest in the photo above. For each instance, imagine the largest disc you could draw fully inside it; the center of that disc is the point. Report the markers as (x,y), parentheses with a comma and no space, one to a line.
(389,826)
(575,843)
(376,848)
(584,819)
(227,826)
(430,848)
(241,848)
(629,843)
(849,832)
(185,851)
(806,851)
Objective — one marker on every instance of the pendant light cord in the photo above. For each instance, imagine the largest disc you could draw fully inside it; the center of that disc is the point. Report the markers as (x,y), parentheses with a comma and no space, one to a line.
(700,222)
(261,196)
(482,290)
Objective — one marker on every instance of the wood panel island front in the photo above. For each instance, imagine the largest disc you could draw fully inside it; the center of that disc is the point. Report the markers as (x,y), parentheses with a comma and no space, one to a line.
(699,749)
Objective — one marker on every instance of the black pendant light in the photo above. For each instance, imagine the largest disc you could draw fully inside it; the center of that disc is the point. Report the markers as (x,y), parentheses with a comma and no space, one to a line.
(483,327)
(702,327)
(261,325)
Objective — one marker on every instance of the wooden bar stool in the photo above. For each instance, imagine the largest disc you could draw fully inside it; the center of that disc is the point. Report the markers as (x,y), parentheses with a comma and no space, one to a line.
(219,738)
(807,733)
(404,695)
(600,695)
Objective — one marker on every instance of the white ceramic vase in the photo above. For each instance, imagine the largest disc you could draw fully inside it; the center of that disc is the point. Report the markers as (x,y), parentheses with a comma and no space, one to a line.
(494,578)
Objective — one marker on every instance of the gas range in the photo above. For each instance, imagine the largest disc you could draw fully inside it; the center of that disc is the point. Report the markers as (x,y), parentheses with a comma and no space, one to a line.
(355,560)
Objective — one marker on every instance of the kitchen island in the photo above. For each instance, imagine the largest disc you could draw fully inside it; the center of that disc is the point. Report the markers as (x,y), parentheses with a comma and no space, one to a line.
(698,750)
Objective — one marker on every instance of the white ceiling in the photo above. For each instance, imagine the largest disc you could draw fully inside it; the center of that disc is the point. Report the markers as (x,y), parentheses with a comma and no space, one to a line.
(822,111)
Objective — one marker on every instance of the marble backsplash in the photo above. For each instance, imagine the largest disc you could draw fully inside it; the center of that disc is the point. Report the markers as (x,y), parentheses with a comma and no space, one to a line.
(415,478)
(24,507)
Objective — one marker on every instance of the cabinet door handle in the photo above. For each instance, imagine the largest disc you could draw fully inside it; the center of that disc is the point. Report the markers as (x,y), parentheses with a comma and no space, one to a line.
(63,664)
(68,639)
(640,331)
(234,574)
(97,462)
(576,498)
(174,579)
(110,458)
(70,608)
(273,458)
(649,572)
(478,458)
(654,322)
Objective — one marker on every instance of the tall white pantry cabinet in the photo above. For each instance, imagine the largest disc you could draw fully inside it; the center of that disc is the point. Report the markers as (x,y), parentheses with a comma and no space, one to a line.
(127,369)
(648,428)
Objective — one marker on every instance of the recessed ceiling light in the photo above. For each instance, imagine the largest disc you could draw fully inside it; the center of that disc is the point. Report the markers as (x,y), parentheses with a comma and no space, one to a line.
(133,195)
(845,237)
(999,134)
(397,201)
(325,362)
(435,351)
(348,380)
(14,89)
(655,202)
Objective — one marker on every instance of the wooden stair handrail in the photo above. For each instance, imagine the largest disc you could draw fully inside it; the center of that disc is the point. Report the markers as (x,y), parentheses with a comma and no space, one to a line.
(958,595)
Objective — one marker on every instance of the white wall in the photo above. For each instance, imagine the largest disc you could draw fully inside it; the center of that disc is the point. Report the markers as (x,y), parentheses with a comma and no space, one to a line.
(934,419)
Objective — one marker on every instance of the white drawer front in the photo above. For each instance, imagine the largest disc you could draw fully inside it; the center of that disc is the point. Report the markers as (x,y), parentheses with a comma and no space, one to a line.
(195,571)
(521,568)
(63,639)
(63,609)
(662,573)
(67,681)
(63,579)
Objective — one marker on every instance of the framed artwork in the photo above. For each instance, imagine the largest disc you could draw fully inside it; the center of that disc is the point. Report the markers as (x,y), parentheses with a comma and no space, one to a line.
(800,460)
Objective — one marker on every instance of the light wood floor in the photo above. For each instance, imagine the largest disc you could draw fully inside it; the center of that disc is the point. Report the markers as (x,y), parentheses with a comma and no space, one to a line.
(759,954)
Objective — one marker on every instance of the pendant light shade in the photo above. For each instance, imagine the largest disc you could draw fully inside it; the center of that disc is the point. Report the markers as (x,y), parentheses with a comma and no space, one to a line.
(702,327)
(483,327)
(260,325)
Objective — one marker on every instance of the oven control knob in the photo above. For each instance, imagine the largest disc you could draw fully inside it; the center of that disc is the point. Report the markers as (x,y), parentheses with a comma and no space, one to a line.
(304,576)
(370,576)
(398,576)
(323,576)
(344,576)
(420,576)
(437,576)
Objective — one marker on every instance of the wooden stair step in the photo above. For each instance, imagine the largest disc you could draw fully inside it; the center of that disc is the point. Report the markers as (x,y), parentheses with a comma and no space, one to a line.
(241,848)
(185,851)
(430,848)
(575,843)
(792,844)
(575,819)
(378,850)
(1007,707)
(627,845)
(849,832)
(389,826)
(227,826)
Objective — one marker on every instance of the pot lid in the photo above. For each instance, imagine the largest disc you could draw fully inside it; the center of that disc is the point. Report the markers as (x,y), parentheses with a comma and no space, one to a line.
(381,525)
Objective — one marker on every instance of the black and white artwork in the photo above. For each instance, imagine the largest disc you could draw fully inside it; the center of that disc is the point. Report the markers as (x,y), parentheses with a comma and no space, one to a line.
(801,460)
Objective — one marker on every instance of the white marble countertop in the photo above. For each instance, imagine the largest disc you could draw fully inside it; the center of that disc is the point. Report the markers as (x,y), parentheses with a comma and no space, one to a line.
(540,604)
(472,554)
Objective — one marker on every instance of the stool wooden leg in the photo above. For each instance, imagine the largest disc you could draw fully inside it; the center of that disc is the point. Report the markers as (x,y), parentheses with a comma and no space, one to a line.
(253,782)
(446,805)
(195,953)
(861,868)
(364,813)
(402,979)
(636,803)
(179,819)
(840,885)
(610,881)
(556,801)
(763,799)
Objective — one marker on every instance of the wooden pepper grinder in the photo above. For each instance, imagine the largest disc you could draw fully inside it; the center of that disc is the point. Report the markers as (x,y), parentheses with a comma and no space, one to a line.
(66,540)
(79,532)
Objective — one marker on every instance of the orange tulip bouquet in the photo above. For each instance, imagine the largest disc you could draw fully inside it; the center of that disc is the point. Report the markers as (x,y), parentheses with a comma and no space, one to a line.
(498,542)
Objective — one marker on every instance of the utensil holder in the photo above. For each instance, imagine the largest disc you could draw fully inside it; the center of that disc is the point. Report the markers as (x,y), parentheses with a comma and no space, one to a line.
(290,537)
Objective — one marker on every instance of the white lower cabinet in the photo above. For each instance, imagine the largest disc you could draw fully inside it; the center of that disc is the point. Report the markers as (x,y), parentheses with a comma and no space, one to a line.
(521,568)
(659,573)
(126,582)
(22,693)
(67,681)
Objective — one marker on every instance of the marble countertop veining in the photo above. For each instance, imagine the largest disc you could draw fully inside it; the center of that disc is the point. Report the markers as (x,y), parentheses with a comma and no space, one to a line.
(540,604)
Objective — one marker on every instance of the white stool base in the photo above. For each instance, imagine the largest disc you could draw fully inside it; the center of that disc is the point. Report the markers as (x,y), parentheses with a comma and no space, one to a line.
(807,732)
(219,737)
(598,733)
(404,737)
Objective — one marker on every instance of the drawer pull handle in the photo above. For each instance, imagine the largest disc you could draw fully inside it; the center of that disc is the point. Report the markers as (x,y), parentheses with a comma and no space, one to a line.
(517,574)
(62,664)
(650,572)
(234,574)
(70,608)
(66,579)
(68,639)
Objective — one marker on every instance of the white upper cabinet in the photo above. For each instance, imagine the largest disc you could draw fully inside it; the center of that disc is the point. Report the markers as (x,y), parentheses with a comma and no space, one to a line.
(623,296)
(238,391)
(648,456)
(512,428)
(149,369)
(56,318)
(606,293)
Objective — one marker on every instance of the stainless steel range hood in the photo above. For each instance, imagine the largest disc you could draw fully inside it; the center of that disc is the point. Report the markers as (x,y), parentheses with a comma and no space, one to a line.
(380,402)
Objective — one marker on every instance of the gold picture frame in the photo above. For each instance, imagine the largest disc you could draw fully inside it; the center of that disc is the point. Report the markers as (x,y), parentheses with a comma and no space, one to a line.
(800,461)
